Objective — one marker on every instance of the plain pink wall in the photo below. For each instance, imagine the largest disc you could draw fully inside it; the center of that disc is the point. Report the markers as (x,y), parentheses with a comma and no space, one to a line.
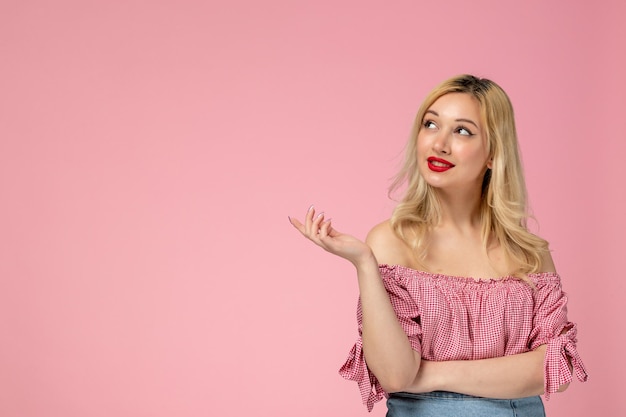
(150,152)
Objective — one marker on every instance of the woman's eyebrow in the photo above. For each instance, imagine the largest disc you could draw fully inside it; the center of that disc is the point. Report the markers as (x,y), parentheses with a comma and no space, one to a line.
(467,121)
(456,120)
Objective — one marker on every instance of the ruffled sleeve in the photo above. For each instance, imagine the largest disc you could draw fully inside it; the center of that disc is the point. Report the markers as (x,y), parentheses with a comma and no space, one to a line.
(405,306)
(551,328)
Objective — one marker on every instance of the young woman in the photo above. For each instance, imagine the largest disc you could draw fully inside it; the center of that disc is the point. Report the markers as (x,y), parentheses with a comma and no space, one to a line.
(461,310)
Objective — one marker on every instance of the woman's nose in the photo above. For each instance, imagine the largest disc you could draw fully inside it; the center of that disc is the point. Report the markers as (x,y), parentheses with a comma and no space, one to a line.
(441,143)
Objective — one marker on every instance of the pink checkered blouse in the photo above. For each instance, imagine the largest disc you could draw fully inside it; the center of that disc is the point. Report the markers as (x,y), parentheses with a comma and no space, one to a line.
(456,318)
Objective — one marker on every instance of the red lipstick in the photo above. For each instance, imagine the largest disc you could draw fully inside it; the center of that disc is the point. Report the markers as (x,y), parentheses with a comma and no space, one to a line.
(438,164)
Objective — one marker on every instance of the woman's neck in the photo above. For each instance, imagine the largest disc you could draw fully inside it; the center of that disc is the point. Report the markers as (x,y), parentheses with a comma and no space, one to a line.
(460,210)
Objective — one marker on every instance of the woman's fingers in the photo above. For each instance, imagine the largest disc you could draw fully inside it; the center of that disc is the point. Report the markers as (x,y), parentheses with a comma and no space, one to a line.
(320,231)
(314,226)
(306,227)
(324,230)
(296,223)
(308,219)
(312,223)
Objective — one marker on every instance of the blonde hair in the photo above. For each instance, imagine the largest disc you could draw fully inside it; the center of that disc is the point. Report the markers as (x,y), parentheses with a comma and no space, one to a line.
(503,207)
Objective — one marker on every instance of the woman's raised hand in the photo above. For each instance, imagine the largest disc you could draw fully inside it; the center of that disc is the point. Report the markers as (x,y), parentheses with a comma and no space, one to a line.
(320,231)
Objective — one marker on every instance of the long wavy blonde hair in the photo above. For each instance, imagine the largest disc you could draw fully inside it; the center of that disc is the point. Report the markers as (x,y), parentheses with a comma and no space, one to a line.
(503,207)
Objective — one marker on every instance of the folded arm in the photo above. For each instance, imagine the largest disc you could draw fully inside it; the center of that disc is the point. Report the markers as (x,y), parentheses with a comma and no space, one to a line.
(514,376)
(506,377)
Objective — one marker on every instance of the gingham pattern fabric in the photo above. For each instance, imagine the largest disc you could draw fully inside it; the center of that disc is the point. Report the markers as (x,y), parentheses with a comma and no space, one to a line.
(458,318)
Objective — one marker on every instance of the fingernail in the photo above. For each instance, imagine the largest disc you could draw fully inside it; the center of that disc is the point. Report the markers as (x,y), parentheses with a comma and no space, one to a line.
(289,217)
(311,208)
(319,215)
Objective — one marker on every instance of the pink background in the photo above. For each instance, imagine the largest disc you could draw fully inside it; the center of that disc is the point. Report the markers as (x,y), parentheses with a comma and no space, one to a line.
(150,152)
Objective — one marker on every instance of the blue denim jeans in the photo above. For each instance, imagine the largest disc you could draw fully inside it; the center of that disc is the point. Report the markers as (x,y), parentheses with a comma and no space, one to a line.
(450,404)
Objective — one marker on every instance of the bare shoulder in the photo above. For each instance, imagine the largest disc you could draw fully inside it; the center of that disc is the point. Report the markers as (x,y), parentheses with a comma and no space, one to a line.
(547,264)
(388,247)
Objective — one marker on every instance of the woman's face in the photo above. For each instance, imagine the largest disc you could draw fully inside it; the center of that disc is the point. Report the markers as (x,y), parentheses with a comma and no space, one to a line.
(451,144)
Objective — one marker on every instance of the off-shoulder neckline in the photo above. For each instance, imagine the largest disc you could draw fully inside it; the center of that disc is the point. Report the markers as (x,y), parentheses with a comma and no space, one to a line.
(535,275)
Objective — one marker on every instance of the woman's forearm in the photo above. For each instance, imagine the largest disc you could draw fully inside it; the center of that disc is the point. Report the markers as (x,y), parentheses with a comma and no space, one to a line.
(514,376)
(386,346)
(387,349)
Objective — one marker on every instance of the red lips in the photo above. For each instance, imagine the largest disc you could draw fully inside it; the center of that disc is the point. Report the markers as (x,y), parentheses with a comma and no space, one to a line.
(438,164)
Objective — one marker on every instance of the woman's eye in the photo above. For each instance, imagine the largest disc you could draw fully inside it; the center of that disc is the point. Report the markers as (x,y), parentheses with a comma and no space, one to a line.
(463,131)
(429,124)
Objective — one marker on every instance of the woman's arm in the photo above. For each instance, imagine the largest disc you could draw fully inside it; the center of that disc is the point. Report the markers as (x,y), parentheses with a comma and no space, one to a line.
(387,350)
(386,347)
(514,376)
